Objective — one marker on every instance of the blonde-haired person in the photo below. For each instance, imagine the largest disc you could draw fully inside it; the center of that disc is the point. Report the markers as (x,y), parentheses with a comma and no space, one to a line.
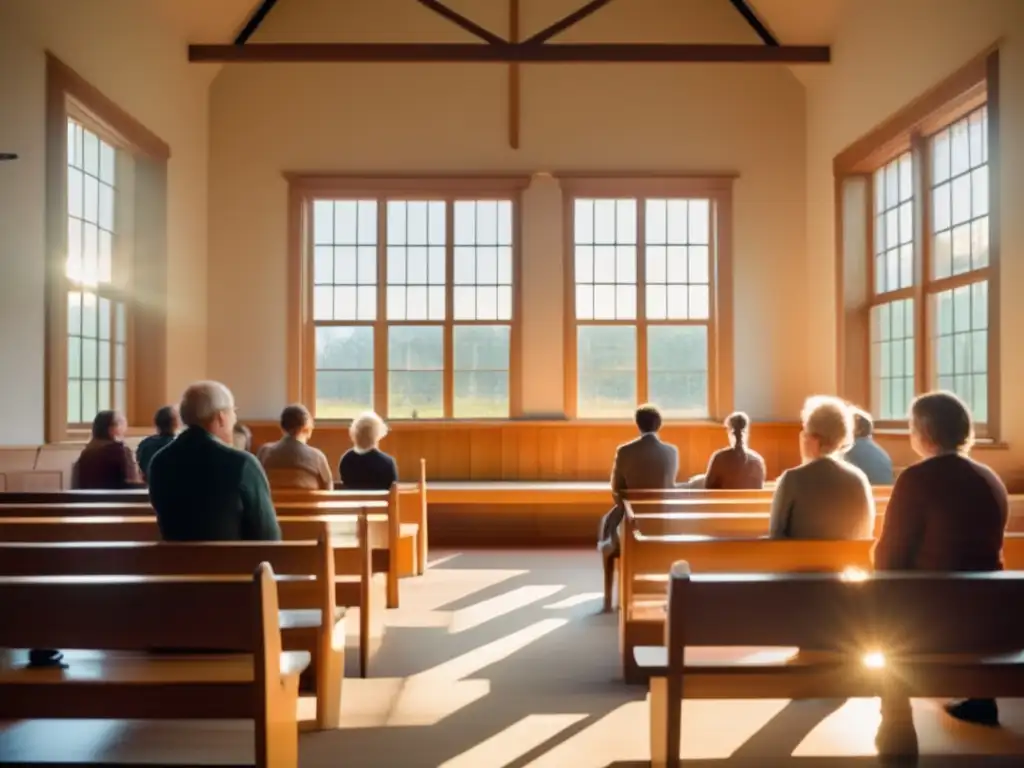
(825,497)
(365,467)
(736,467)
(947,512)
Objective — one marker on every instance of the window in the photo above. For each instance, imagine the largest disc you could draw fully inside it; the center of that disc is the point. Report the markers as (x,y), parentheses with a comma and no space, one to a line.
(930,258)
(411,296)
(643,304)
(106,183)
(97,332)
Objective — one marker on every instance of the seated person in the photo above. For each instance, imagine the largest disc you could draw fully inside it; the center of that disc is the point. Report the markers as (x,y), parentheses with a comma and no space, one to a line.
(866,454)
(106,463)
(947,512)
(824,498)
(201,487)
(167,425)
(364,467)
(736,467)
(241,437)
(290,462)
(645,463)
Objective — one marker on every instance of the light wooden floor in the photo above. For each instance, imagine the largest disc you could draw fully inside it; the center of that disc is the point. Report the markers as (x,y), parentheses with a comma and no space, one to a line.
(499,660)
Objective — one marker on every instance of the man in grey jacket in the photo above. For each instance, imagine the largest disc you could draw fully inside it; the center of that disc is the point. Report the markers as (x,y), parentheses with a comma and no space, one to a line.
(642,464)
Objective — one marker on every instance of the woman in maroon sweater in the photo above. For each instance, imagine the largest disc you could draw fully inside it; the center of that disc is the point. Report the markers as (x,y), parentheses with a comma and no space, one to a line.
(947,512)
(106,463)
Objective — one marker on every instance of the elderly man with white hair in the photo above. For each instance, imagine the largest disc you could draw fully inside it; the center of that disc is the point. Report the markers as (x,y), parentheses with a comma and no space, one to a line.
(825,497)
(365,467)
(203,488)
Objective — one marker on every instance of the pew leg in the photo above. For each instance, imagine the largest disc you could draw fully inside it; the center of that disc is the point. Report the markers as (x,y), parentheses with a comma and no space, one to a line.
(666,711)
(277,739)
(392,586)
(609,582)
(330,679)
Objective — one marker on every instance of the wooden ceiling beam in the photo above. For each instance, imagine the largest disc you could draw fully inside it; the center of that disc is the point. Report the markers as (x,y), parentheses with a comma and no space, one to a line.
(461,21)
(750,16)
(254,21)
(571,20)
(508,53)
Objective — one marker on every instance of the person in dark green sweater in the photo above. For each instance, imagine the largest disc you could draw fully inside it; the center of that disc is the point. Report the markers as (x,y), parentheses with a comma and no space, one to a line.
(167,425)
(201,487)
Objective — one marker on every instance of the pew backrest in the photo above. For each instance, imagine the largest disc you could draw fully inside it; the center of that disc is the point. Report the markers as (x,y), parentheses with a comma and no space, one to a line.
(897,614)
(130,613)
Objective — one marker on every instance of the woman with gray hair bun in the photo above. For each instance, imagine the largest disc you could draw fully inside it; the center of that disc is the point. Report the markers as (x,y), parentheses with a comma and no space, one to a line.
(364,467)
(824,498)
(947,512)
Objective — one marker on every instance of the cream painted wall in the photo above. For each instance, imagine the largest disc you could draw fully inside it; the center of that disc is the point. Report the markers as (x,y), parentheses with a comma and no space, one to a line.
(266,119)
(123,49)
(887,53)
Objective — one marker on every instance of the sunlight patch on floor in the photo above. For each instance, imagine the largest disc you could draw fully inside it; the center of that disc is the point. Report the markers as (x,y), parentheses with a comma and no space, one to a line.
(847,732)
(479,658)
(440,587)
(487,610)
(574,600)
(513,742)
(394,701)
(711,730)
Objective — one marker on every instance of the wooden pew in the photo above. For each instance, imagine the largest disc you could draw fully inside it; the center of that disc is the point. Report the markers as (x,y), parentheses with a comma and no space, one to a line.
(133,614)
(941,635)
(647,560)
(385,528)
(353,562)
(738,513)
(310,620)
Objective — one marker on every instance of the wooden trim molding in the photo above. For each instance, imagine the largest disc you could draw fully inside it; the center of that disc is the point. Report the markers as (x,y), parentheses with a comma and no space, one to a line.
(721,357)
(132,133)
(954,97)
(304,188)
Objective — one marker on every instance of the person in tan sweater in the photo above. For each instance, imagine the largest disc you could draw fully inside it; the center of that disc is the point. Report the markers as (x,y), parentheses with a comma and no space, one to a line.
(290,462)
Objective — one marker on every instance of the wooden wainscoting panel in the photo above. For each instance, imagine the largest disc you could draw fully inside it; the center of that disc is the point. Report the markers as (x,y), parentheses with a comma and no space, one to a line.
(538,450)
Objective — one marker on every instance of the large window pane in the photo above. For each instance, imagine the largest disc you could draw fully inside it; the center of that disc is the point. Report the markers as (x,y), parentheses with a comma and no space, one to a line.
(606,371)
(677,365)
(345,260)
(416,240)
(605,254)
(89,263)
(959,344)
(959,196)
(483,260)
(892,359)
(416,372)
(678,253)
(481,359)
(344,375)
(894,225)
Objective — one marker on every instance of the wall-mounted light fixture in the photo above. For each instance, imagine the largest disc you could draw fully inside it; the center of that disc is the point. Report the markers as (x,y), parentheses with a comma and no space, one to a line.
(8,156)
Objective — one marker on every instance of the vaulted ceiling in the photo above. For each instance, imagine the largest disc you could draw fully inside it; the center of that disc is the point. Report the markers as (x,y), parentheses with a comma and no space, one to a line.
(794,22)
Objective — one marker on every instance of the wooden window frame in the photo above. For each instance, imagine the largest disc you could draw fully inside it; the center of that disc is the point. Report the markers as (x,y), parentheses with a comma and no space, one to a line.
(910,130)
(305,188)
(718,190)
(69,96)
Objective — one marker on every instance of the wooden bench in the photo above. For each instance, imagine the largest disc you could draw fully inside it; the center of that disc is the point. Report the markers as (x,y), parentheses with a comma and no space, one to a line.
(724,513)
(941,635)
(310,620)
(133,614)
(385,529)
(353,561)
(644,581)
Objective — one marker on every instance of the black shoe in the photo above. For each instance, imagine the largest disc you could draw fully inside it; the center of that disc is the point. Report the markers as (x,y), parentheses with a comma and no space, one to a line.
(46,659)
(977,711)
